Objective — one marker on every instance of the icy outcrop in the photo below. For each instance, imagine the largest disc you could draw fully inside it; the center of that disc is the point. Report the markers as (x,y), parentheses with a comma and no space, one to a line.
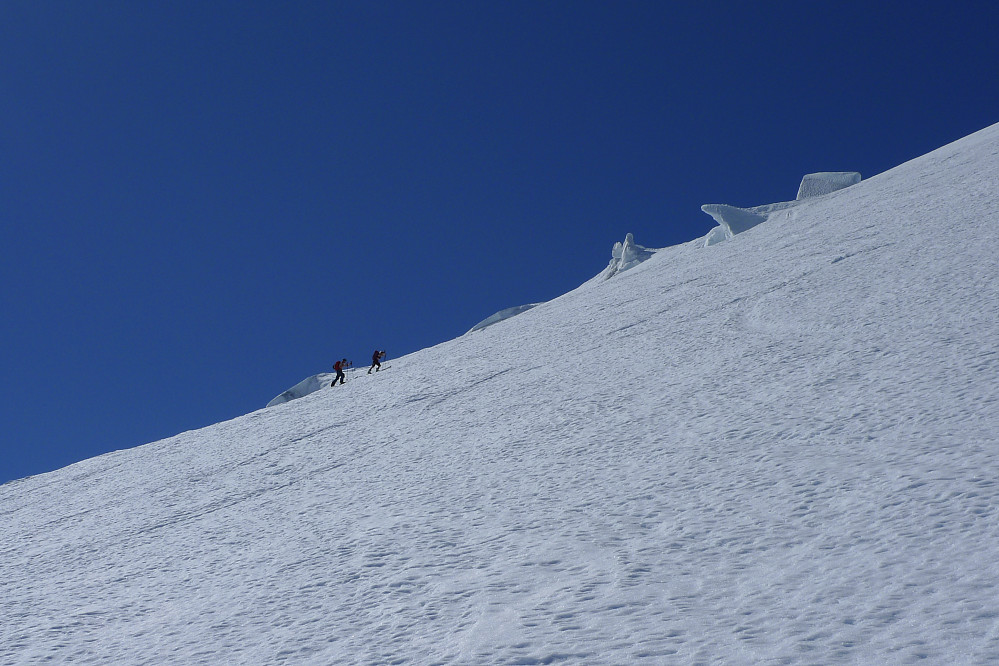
(624,256)
(302,388)
(733,220)
(824,182)
(501,315)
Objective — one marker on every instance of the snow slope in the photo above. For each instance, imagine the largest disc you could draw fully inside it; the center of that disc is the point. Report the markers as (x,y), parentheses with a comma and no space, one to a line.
(778,449)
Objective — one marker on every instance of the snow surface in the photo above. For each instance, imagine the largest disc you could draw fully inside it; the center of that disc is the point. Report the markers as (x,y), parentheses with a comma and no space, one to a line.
(783,449)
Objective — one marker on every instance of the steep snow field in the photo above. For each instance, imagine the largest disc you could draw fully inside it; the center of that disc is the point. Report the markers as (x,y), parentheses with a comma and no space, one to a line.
(783,448)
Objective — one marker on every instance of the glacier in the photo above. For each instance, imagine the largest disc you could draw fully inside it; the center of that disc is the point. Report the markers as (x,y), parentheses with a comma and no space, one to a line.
(783,448)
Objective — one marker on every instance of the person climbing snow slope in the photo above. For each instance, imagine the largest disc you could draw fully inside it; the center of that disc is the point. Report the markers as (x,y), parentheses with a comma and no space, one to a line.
(339,366)
(376,361)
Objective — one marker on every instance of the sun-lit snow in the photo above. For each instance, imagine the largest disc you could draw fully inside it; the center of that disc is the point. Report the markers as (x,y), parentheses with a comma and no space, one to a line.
(781,449)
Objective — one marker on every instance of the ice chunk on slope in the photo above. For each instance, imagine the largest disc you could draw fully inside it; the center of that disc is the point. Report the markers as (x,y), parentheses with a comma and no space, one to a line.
(824,182)
(302,388)
(625,256)
(733,220)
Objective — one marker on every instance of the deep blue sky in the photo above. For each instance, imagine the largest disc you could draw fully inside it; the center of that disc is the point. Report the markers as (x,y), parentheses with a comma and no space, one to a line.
(203,203)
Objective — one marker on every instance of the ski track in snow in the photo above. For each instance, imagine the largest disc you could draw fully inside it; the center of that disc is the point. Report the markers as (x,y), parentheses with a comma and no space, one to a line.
(780,449)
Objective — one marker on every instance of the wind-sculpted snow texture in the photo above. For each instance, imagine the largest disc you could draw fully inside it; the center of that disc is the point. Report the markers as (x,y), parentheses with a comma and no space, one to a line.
(781,449)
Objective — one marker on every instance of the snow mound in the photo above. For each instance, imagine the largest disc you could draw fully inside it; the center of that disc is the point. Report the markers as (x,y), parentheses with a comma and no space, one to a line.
(824,182)
(501,315)
(302,388)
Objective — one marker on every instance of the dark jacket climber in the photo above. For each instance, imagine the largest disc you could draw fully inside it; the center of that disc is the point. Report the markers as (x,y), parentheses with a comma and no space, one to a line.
(375,358)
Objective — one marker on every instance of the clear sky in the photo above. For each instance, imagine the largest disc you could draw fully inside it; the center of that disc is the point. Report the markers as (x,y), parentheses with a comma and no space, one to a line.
(203,203)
